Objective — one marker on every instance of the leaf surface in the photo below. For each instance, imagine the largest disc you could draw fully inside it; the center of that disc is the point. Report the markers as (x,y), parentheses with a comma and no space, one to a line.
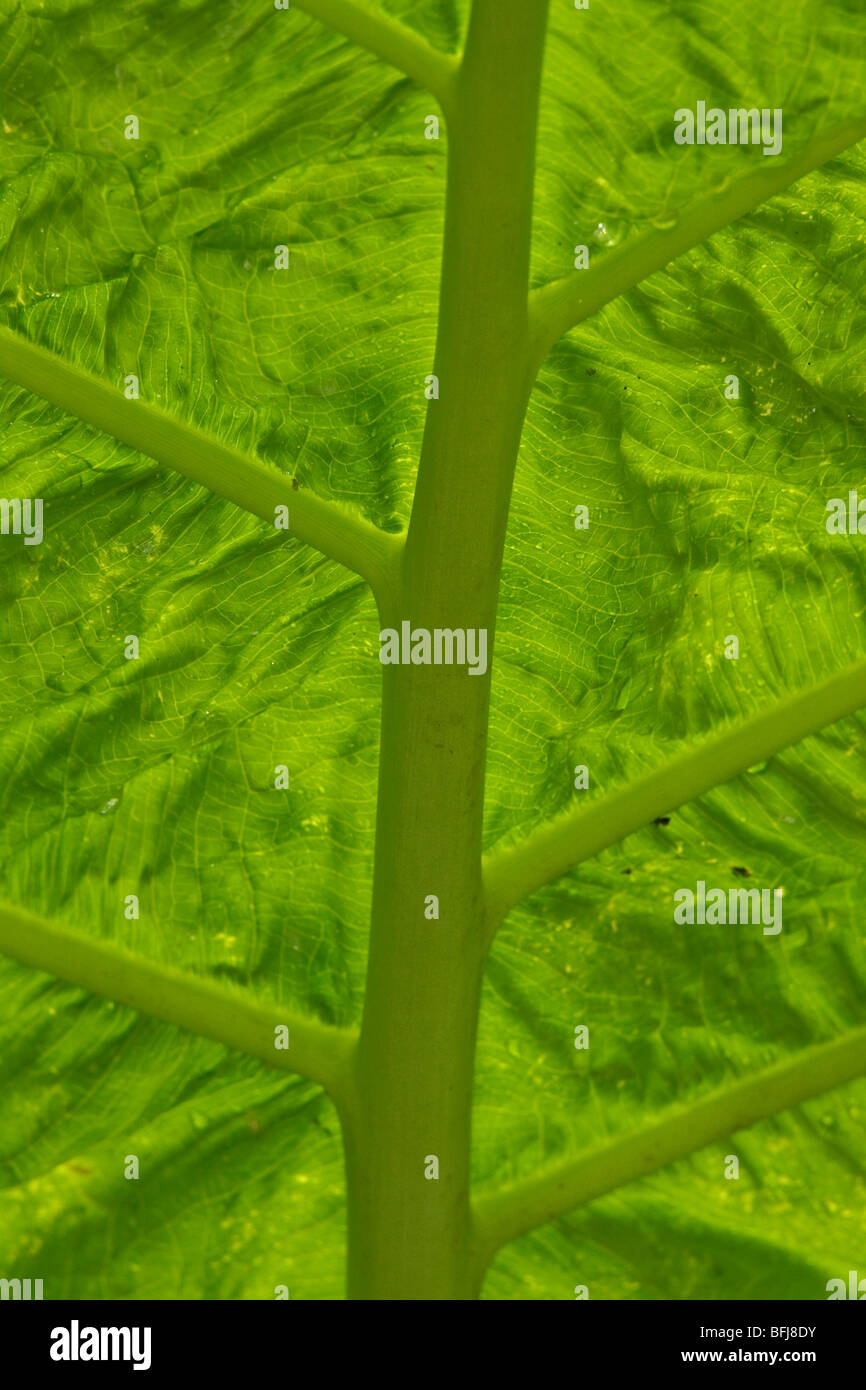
(155,777)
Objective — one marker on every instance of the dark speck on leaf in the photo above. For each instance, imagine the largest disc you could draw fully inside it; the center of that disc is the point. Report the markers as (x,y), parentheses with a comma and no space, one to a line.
(625,871)
(295,484)
(662,820)
(590,371)
(741,872)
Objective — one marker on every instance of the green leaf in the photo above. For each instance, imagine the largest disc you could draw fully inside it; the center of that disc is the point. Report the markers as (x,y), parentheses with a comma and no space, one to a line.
(707,518)
(155,777)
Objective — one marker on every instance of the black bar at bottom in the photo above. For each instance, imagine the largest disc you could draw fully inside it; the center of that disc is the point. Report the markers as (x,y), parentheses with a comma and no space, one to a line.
(279,1338)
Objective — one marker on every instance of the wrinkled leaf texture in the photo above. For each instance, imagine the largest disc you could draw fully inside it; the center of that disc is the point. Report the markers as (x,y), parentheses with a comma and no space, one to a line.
(257,128)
